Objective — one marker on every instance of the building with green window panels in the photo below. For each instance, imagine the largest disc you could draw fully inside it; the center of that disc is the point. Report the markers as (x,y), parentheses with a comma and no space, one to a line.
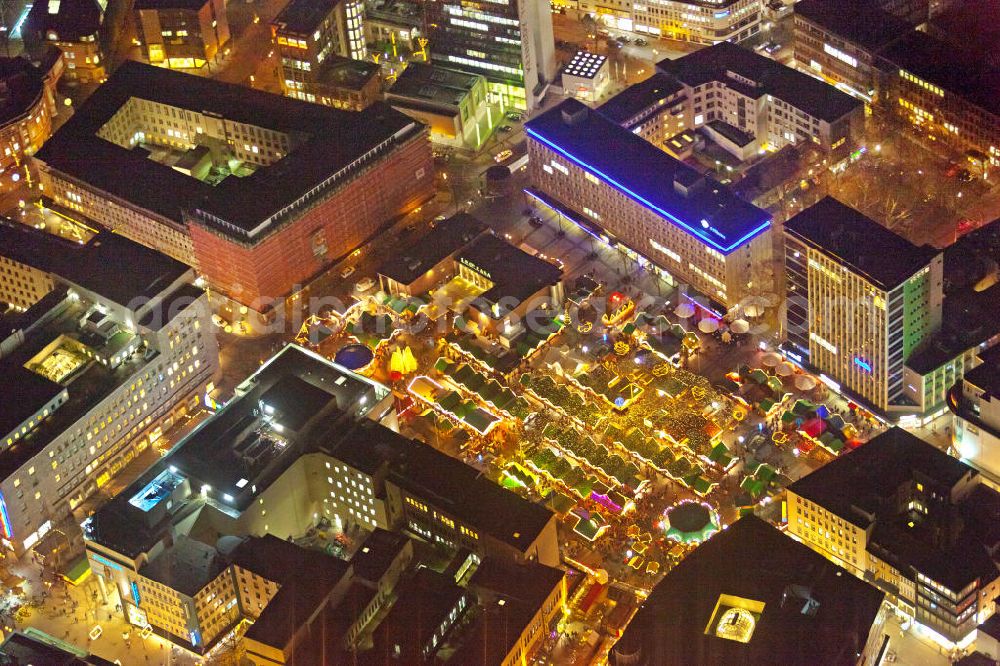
(860,302)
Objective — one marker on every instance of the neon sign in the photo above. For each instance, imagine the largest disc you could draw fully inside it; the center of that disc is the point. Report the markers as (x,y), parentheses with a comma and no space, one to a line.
(8,531)
(864,365)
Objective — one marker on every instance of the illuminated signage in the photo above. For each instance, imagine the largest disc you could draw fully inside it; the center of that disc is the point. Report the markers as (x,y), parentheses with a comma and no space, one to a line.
(863,364)
(840,55)
(466,262)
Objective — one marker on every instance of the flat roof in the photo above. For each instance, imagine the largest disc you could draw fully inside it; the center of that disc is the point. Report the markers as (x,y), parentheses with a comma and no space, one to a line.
(423,602)
(235,452)
(87,386)
(515,274)
(41,648)
(646,174)
(858,21)
(187,566)
(986,376)
(327,143)
(347,73)
(958,70)
(631,103)
(171,5)
(866,483)
(303,16)
(95,265)
(813,611)
(70,20)
(863,245)
(32,391)
(584,65)
(377,554)
(425,83)
(299,596)
(715,63)
(449,483)
(445,239)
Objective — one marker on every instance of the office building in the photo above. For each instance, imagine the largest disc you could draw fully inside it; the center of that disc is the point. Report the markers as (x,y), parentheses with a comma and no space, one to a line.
(697,21)
(182,34)
(911,520)
(295,448)
(292,186)
(751,595)
(948,91)
(860,301)
(27,106)
(103,361)
(747,103)
(691,227)
(510,43)
(307,34)
(453,103)
(840,42)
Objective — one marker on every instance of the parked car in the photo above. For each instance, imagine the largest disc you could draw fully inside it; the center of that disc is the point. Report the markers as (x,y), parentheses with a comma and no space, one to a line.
(347,272)
(503,155)
(641,42)
(535,221)
(505,129)
(364,284)
(515,116)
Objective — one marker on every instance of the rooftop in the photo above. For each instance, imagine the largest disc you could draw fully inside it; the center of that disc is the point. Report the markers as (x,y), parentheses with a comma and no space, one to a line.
(299,595)
(860,243)
(751,595)
(858,21)
(347,73)
(632,103)
(40,648)
(303,16)
(327,145)
(445,239)
(96,264)
(721,61)
(584,65)
(86,380)
(432,84)
(423,603)
(68,19)
(377,554)
(21,87)
(238,453)
(189,5)
(865,487)
(453,486)
(515,274)
(187,566)
(647,175)
(986,376)
(958,70)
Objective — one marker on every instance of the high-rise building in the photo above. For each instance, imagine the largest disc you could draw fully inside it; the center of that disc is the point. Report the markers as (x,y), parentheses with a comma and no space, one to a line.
(860,301)
(182,34)
(510,43)
(102,361)
(911,520)
(259,192)
(690,227)
(308,36)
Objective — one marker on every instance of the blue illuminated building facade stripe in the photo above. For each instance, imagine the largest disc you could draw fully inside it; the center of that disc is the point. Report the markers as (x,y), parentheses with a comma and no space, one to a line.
(694,231)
